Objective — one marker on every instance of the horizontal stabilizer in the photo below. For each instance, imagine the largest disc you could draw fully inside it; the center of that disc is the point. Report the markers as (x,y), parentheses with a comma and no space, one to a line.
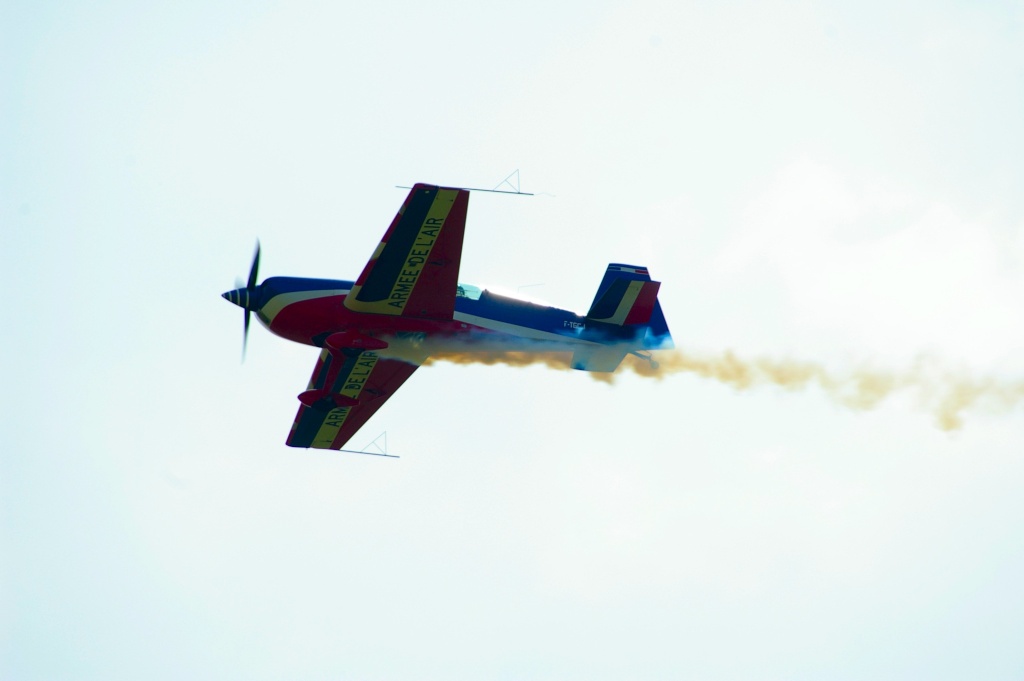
(598,358)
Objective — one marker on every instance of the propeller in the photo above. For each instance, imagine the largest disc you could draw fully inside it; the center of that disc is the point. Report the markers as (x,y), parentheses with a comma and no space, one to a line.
(247,298)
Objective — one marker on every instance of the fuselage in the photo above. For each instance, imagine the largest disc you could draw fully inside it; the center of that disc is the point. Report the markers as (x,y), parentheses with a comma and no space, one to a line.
(308,310)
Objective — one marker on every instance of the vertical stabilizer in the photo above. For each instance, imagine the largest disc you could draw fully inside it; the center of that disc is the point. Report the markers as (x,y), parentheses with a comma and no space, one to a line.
(625,317)
(628,297)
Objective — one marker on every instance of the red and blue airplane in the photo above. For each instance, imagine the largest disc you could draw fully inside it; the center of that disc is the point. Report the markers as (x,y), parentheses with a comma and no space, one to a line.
(375,331)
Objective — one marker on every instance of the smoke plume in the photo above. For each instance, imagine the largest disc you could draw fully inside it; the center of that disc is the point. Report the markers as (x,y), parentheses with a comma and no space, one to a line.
(944,393)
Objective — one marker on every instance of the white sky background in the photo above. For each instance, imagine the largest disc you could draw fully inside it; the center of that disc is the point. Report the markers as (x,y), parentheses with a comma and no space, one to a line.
(819,181)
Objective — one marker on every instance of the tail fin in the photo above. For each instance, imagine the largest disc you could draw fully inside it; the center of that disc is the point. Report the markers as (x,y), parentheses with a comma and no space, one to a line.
(626,305)
(628,297)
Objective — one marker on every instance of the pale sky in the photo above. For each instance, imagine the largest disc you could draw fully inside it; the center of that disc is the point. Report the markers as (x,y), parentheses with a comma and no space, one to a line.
(831,183)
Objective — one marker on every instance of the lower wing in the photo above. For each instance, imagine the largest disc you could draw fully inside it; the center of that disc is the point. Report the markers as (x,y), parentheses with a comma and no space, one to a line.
(348,386)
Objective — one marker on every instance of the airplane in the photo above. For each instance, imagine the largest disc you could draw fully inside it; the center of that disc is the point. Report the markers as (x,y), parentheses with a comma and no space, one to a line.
(374,332)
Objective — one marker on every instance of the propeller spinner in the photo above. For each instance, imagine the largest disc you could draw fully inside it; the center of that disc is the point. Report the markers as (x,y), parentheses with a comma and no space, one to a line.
(247,298)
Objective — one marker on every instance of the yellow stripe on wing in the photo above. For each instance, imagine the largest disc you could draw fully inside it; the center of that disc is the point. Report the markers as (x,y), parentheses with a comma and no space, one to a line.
(333,422)
(421,248)
(415,260)
(351,386)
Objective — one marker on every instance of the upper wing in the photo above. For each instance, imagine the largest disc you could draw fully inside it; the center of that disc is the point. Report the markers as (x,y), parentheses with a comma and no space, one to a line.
(346,389)
(415,269)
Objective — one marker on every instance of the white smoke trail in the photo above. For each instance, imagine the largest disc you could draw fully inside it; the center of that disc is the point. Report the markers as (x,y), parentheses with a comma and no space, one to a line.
(944,393)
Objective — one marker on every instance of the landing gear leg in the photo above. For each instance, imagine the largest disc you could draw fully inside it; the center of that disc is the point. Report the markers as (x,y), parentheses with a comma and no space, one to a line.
(647,357)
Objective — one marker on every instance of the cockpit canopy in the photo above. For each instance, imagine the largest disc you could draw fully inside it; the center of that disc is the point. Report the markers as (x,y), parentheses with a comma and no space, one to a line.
(468,291)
